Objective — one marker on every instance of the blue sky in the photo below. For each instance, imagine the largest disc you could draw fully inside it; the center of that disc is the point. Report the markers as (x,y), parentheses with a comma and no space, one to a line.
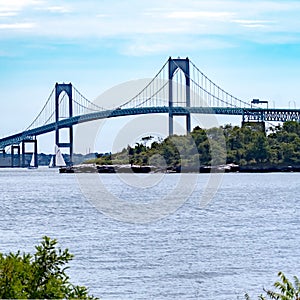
(249,48)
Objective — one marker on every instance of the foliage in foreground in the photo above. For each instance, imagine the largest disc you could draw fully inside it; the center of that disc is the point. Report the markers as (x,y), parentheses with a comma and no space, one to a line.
(285,290)
(38,276)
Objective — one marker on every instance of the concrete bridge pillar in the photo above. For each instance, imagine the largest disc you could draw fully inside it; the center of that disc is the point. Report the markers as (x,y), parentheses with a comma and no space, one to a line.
(34,152)
(15,157)
(184,66)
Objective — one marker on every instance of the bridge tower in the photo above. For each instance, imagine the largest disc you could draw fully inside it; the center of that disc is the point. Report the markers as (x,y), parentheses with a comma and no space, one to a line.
(184,66)
(67,88)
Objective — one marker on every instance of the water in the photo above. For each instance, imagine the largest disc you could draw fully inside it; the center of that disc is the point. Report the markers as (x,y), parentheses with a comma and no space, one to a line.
(236,244)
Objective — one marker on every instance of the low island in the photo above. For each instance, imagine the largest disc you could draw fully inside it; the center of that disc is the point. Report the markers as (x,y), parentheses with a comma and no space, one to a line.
(224,149)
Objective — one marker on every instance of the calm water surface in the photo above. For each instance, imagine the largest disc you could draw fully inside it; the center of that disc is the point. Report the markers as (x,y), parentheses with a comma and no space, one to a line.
(236,244)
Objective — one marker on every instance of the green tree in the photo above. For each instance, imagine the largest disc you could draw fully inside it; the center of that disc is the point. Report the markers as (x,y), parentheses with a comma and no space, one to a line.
(38,276)
(202,143)
(292,127)
(258,150)
(285,290)
(248,144)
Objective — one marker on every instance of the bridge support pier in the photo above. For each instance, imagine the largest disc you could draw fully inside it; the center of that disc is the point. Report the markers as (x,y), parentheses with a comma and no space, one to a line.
(3,152)
(184,66)
(171,129)
(16,157)
(67,88)
(255,120)
(4,161)
(187,121)
(34,152)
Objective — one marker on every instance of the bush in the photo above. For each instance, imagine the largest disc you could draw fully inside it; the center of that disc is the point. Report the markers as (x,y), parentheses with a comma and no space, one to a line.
(38,276)
(285,289)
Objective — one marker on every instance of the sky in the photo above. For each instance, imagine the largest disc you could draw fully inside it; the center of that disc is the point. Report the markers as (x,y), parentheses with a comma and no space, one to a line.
(249,48)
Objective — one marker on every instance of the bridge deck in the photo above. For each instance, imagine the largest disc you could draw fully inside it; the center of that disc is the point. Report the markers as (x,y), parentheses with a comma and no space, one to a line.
(259,114)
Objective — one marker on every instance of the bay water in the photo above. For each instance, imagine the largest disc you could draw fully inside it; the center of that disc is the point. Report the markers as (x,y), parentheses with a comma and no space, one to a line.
(236,243)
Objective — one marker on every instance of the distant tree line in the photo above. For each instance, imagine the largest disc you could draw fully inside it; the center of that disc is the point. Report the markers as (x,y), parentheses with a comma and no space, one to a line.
(246,145)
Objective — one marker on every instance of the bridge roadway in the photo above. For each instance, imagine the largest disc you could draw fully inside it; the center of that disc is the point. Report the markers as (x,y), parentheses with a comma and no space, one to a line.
(249,114)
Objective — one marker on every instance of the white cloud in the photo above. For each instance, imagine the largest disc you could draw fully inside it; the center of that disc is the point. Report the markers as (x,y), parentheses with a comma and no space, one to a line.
(7,14)
(154,21)
(55,9)
(199,14)
(17,26)
(17,5)
(138,48)
(254,23)
(147,46)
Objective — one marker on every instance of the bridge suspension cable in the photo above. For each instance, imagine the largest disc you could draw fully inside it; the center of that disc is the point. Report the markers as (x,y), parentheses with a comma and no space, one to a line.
(81,105)
(84,105)
(211,93)
(49,106)
(153,94)
(203,91)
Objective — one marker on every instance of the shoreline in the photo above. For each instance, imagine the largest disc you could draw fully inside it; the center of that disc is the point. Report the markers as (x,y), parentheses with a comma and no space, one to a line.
(229,168)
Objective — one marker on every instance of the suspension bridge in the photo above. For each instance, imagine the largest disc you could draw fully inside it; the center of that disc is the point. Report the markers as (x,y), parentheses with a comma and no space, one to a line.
(178,89)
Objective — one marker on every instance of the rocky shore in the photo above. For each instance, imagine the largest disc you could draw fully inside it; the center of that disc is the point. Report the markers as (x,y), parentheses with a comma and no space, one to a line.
(229,168)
